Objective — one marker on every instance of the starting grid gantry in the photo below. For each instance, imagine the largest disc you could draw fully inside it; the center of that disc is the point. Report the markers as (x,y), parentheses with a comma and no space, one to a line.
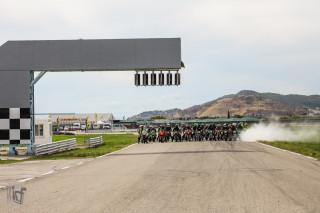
(19,60)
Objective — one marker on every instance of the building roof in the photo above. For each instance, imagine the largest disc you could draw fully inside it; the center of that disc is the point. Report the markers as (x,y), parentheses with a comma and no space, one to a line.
(92,117)
(215,120)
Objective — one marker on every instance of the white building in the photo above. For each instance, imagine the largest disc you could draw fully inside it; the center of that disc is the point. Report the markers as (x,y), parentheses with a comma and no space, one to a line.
(43,131)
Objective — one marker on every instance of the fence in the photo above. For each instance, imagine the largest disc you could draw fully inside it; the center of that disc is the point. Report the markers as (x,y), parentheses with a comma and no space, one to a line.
(94,141)
(54,147)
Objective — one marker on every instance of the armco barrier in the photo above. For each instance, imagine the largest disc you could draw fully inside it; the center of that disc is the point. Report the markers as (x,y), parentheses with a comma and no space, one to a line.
(95,141)
(54,147)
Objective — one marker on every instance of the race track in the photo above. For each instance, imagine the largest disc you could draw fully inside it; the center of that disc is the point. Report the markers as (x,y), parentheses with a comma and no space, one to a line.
(180,177)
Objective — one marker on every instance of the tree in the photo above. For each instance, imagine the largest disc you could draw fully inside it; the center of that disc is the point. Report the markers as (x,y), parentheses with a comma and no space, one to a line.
(158,118)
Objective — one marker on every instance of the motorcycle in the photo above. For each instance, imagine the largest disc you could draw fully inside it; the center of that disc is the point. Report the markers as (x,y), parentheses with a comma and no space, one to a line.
(168,135)
(225,135)
(235,135)
(188,135)
(198,136)
(162,136)
(176,136)
(144,137)
(221,134)
(152,136)
(206,134)
(229,135)
(211,135)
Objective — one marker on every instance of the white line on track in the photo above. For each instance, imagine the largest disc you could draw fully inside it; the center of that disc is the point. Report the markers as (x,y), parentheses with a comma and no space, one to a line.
(287,151)
(47,173)
(24,180)
(115,151)
(67,167)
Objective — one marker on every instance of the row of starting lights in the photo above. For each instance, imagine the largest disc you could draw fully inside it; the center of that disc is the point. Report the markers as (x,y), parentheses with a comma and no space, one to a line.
(157,79)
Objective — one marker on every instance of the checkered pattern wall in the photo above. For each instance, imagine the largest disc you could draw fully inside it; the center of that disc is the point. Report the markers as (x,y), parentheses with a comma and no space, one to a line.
(14,125)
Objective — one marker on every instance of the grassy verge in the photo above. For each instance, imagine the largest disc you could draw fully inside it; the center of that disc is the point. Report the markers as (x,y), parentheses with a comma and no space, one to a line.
(110,143)
(9,161)
(311,149)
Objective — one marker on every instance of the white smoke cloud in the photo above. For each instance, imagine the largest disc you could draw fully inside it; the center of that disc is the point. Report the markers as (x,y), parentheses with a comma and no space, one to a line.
(277,132)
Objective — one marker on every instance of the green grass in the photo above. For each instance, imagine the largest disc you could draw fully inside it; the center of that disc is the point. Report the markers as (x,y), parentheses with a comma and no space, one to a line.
(310,146)
(9,161)
(307,148)
(110,143)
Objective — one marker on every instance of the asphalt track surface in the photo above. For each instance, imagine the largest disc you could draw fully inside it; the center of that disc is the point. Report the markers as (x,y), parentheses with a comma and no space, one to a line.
(180,177)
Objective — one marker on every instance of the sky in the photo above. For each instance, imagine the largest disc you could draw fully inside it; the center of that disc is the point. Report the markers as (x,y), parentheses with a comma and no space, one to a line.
(227,46)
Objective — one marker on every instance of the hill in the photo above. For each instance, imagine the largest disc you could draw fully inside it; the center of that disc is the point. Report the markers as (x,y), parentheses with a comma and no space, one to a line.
(149,114)
(244,103)
(251,103)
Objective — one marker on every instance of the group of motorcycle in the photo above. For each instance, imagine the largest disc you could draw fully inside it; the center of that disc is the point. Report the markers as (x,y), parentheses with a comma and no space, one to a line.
(224,132)
(162,136)
(213,135)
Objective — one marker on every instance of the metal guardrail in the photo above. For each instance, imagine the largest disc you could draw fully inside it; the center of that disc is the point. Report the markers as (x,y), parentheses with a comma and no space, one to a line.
(54,147)
(94,141)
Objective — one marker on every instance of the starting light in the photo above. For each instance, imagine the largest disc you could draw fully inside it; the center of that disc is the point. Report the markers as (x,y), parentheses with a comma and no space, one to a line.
(153,79)
(145,79)
(169,79)
(164,80)
(161,79)
(137,79)
(177,79)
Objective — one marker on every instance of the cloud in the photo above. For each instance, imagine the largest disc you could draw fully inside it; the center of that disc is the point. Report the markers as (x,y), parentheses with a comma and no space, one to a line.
(227,46)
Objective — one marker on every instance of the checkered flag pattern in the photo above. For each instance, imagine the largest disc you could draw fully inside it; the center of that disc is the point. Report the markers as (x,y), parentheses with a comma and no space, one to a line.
(14,125)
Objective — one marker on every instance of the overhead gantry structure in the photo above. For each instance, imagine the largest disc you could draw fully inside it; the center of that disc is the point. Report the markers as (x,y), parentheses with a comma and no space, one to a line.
(19,60)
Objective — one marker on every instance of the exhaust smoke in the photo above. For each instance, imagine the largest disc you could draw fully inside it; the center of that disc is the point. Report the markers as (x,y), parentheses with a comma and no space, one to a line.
(277,132)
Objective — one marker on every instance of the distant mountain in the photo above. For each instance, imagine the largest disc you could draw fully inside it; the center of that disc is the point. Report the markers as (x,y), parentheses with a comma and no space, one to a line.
(149,114)
(244,103)
(311,101)
(251,103)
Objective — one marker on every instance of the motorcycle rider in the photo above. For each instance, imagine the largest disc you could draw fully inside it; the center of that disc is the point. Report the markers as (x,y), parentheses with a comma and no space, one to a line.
(225,127)
(140,130)
(233,127)
(168,131)
(195,129)
(225,131)
(218,132)
(201,130)
(162,134)
(176,129)
(206,132)
(152,133)
(244,126)
(212,128)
